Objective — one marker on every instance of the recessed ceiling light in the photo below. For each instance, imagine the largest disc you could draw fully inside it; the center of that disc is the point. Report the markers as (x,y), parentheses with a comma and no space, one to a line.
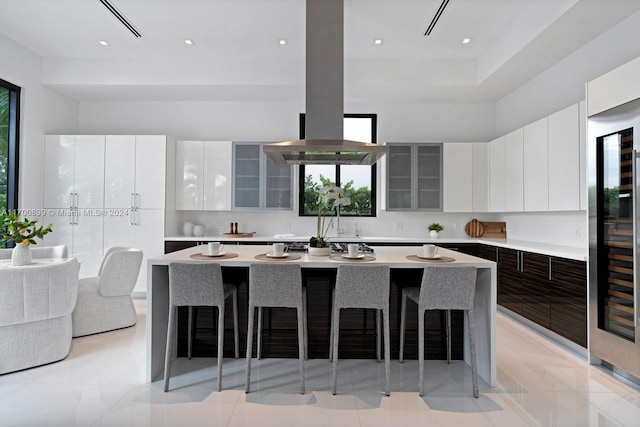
(377,41)
(103,42)
(188,41)
(282,42)
(466,40)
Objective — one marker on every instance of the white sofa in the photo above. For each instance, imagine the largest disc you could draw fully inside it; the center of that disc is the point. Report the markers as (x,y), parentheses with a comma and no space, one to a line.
(59,251)
(36,302)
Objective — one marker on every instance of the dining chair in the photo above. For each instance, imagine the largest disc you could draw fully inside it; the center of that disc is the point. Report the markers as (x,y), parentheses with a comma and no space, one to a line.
(361,286)
(197,285)
(276,285)
(443,288)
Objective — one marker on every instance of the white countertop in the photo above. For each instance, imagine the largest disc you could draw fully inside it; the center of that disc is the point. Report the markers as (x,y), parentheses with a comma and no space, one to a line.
(569,252)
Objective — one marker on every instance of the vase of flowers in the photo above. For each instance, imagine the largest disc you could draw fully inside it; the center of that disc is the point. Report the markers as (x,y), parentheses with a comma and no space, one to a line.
(330,199)
(22,234)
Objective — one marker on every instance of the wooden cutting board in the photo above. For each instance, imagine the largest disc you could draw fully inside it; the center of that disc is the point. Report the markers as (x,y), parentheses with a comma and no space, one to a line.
(474,228)
(239,234)
(496,230)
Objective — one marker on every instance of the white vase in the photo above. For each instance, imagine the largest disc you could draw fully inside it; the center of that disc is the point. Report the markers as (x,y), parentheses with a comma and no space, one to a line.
(21,255)
(433,234)
(187,229)
(319,251)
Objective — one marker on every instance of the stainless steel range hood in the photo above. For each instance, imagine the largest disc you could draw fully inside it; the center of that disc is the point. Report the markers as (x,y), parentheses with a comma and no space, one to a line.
(324,143)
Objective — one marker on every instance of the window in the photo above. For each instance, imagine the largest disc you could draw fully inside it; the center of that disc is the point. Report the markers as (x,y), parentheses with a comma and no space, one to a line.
(9,117)
(358,182)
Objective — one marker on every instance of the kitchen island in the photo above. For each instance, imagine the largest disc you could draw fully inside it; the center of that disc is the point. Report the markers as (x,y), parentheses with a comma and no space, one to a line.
(395,257)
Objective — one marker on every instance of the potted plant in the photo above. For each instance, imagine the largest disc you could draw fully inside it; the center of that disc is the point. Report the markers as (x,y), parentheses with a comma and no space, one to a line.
(331,198)
(434,230)
(22,234)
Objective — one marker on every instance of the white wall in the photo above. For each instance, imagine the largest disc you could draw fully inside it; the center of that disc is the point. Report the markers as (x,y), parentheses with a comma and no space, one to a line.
(42,111)
(564,83)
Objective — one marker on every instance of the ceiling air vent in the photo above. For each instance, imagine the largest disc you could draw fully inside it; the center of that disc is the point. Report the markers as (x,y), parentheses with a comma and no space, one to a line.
(436,17)
(121,18)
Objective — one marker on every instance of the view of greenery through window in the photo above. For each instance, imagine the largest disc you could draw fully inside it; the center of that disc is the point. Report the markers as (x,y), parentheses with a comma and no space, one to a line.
(4,146)
(356,181)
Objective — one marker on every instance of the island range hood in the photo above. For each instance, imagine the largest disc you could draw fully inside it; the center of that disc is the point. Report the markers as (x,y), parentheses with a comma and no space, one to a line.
(324,143)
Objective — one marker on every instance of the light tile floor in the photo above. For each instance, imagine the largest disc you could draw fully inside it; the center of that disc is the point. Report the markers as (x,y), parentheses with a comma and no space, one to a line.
(101,383)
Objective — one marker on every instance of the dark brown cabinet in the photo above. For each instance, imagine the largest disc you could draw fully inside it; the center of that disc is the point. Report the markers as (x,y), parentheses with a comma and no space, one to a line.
(550,291)
(509,280)
(568,299)
(535,287)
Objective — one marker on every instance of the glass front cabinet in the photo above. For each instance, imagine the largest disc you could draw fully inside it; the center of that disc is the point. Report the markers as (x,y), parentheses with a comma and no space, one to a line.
(258,183)
(414,177)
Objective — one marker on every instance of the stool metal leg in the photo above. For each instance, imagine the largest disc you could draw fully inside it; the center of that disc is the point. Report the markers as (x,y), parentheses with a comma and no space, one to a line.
(247,381)
(169,346)
(448,321)
(236,336)
(421,349)
(189,332)
(220,343)
(387,351)
(403,315)
(259,347)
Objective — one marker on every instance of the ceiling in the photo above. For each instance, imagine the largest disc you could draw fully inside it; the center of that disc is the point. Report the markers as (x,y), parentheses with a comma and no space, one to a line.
(237,55)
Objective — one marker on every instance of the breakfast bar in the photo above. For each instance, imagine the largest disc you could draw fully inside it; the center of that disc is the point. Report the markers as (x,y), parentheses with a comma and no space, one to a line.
(397,257)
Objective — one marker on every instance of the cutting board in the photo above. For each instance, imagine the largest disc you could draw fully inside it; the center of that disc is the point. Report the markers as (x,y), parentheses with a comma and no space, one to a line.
(474,228)
(239,234)
(495,230)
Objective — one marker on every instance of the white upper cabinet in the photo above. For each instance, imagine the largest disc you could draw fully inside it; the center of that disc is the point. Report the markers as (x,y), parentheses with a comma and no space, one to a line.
(536,167)
(497,175)
(203,175)
(135,168)
(480,177)
(74,171)
(564,159)
(119,175)
(584,197)
(189,175)
(218,158)
(514,179)
(457,179)
(151,171)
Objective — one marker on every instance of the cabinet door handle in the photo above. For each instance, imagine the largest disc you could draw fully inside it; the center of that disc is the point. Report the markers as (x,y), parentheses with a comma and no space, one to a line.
(136,200)
(518,261)
(133,201)
(550,278)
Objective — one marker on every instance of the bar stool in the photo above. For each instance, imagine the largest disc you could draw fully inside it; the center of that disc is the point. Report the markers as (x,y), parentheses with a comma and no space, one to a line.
(276,285)
(201,285)
(361,286)
(444,288)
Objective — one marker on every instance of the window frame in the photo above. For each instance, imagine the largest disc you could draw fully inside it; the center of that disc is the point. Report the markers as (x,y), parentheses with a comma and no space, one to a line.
(13,141)
(374,175)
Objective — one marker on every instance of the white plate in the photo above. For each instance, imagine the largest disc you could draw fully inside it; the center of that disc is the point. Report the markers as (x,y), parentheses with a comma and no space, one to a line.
(216,255)
(353,257)
(270,255)
(429,257)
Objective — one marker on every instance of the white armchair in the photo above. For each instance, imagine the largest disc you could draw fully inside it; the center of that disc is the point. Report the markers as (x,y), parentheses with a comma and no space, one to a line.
(104,302)
(36,302)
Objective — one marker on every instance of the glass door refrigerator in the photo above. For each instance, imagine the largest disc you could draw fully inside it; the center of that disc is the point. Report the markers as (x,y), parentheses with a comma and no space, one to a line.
(613,173)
